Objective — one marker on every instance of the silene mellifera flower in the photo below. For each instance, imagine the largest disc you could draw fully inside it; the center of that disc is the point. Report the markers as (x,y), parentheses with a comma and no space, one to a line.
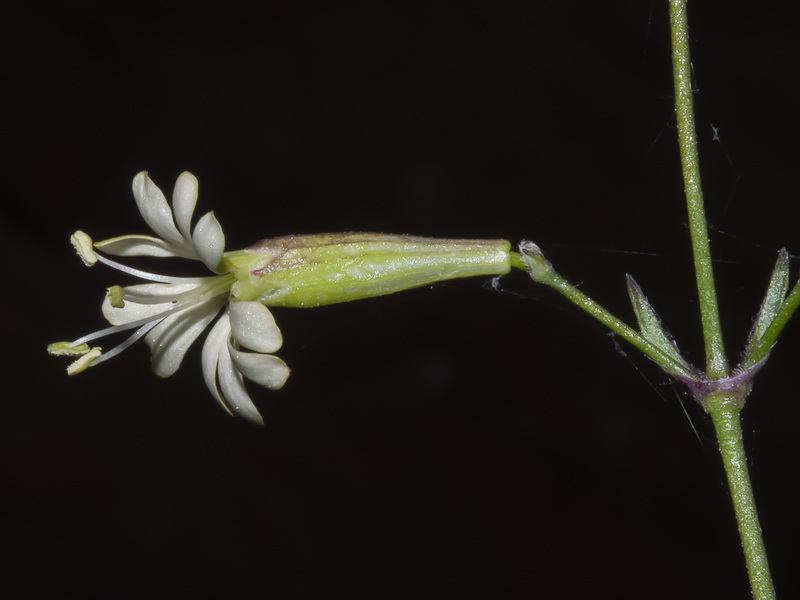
(170,313)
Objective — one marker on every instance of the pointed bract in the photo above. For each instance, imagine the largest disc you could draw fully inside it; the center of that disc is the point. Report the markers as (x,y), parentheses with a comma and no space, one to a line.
(776,294)
(652,330)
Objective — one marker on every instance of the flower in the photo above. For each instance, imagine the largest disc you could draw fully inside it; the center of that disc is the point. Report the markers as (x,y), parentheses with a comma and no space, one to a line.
(171,312)
(293,271)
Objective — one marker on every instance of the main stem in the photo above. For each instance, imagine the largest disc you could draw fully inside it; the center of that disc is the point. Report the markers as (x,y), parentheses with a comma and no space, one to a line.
(724,411)
(716,362)
(723,407)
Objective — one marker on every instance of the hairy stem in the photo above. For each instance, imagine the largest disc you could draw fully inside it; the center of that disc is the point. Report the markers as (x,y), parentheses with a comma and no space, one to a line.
(724,410)
(716,362)
(562,286)
(723,407)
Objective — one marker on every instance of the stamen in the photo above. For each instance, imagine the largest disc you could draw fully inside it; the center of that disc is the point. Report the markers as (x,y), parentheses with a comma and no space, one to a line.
(131,340)
(145,275)
(83,246)
(125,327)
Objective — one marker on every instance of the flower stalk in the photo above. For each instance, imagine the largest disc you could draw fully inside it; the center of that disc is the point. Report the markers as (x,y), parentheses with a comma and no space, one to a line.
(542,272)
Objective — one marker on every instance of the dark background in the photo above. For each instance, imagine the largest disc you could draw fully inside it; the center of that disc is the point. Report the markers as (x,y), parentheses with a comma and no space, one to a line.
(452,442)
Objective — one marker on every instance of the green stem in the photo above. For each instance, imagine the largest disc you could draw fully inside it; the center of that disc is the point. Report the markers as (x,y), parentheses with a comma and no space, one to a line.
(724,410)
(716,362)
(723,407)
(562,286)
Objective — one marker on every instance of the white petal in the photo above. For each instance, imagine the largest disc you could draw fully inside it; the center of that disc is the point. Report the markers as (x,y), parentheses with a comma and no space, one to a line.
(133,311)
(172,337)
(265,369)
(150,293)
(144,300)
(217,362)
(142,245)
(155,210)
(184,199)
(209,241)
(254,327)
(230,380)
(216,342)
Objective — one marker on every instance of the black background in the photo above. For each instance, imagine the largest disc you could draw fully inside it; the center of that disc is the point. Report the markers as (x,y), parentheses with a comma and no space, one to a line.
(451,442)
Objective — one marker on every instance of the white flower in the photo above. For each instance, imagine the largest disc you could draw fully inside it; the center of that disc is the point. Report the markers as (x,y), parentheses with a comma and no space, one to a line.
(172,312)
(293,271)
